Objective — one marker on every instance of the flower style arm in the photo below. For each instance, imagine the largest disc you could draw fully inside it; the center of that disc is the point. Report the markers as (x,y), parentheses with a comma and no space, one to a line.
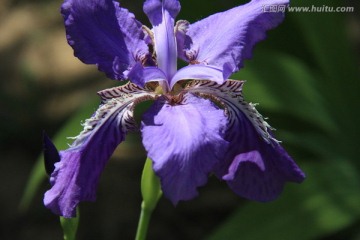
(76,175)
(200,72)
(103,33)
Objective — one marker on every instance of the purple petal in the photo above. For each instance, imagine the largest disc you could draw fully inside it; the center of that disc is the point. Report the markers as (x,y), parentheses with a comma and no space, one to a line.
(76,176)
(51,154)
(229,37)
(184,140)
(200,72)
(141,75)
(256,166)
(161,15)
(261,170)
(104,34)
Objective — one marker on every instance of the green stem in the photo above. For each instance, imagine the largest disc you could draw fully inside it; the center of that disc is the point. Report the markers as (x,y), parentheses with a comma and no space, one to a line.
(151,192)
(70,226)
(144,220)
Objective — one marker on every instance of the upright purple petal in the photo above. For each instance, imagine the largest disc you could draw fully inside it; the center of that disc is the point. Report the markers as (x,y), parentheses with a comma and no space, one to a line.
(225,39)
(255,166)
(76,176)
(184,138)
(161,15)
(104,34)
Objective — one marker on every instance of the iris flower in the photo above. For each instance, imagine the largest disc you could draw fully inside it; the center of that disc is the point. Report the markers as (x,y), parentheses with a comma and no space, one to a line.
(198,124)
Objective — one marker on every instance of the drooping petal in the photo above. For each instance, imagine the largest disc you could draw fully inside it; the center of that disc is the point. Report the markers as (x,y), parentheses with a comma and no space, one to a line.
(161,15)
(185,141)
(227,38)
(201,72)
(104,34)
(259,169)
(51,154)
(141,75)
(256,166)
(260,174)
(76,176)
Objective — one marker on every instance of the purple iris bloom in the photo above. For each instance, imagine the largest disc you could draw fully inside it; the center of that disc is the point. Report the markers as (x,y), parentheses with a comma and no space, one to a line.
(199,123)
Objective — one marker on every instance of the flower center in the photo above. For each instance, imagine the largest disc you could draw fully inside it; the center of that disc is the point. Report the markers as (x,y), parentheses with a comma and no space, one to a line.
(173,97)
(157,88)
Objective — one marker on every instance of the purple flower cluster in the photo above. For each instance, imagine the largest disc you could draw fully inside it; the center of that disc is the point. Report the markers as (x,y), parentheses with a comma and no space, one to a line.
(199,123)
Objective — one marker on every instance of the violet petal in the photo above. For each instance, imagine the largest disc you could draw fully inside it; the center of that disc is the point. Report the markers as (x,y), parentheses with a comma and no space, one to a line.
(76,176)
(51,154)
(161,15)
(104,34)
(255,166)
(185,141)
(261,170)
(229,37)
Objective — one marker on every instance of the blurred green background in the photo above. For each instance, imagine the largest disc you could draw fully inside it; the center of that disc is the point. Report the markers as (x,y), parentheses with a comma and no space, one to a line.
(305,77)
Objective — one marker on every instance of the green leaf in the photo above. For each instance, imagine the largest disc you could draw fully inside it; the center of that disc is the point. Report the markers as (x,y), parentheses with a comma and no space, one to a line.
(326,202)
(285,84)
(38,174)
(325,38)
(70,226)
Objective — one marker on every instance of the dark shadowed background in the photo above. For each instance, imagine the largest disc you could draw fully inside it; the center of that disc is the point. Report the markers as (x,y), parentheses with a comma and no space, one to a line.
(305,77)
